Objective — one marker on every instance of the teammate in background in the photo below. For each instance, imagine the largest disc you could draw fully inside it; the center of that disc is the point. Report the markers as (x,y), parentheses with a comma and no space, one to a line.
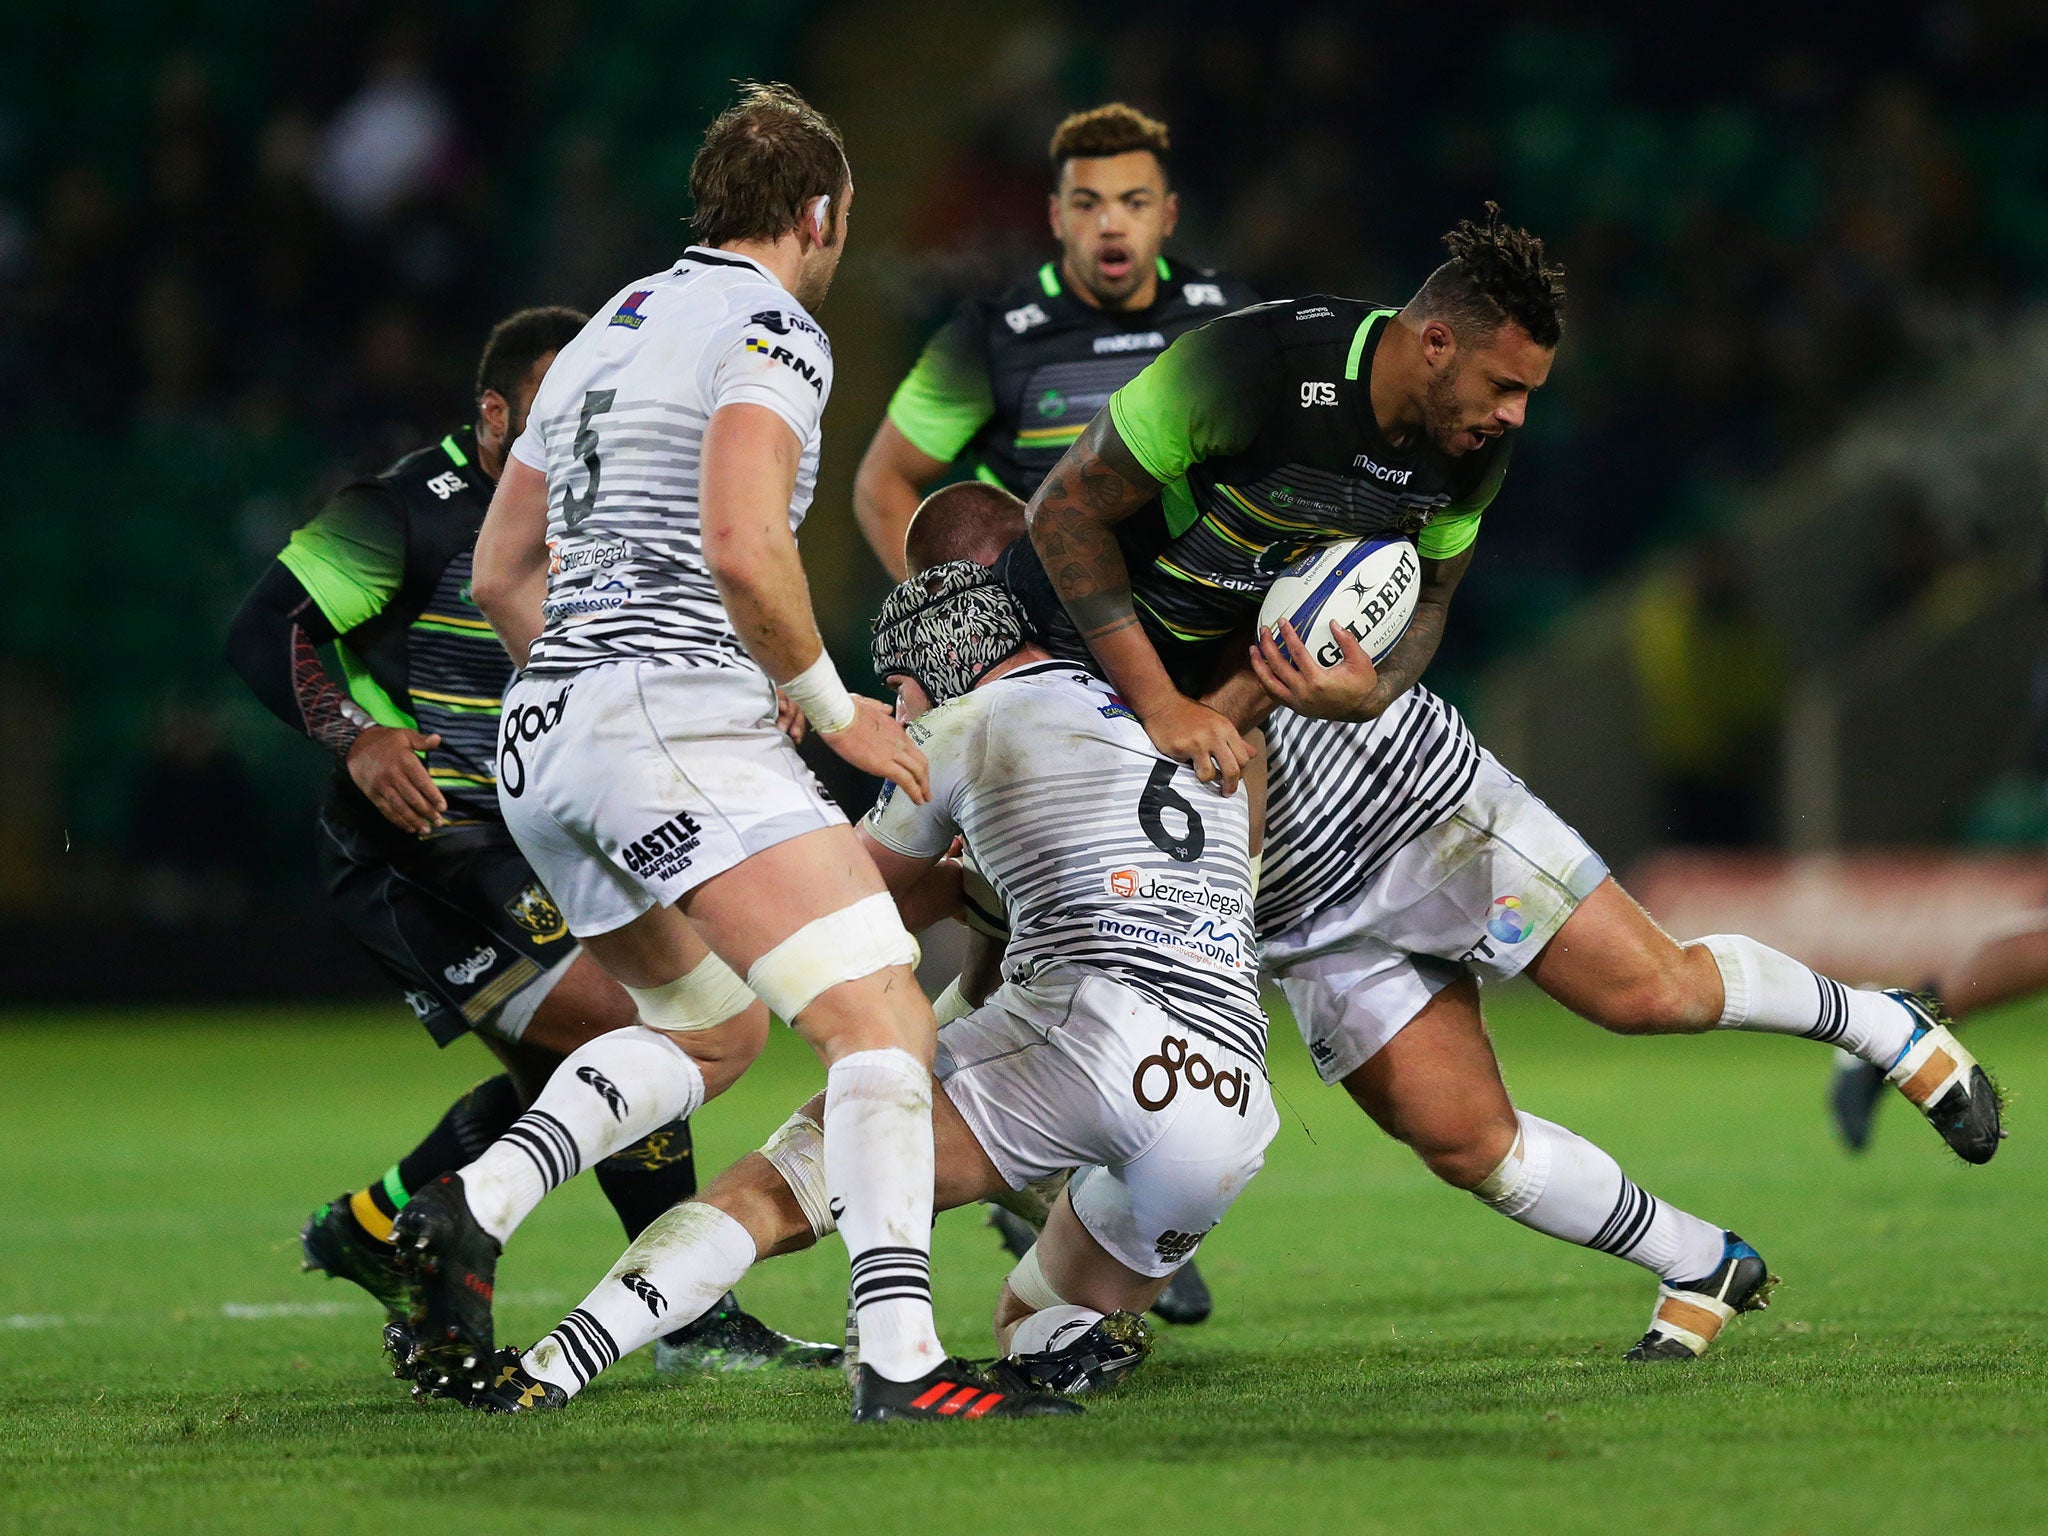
(639,561)
(1127,1041)
(1401,860)
(413,849)
(1012,378)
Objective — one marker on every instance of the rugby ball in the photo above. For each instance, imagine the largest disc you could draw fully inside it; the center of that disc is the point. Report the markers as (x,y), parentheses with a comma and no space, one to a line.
(1367,586)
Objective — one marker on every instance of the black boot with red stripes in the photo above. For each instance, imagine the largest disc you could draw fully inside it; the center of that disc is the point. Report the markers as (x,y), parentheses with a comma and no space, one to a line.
(956,1390)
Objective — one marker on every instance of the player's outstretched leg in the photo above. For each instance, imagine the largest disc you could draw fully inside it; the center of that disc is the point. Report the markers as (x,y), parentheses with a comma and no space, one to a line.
(771,1202)
(1611,964)
(604,1097)
(1436,1086)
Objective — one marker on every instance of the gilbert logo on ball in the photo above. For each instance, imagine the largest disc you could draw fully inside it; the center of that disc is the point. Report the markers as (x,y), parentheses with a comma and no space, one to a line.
(1505,921)
(1366,587)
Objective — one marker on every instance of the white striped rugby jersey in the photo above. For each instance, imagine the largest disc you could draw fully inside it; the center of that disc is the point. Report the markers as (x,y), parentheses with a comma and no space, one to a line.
(1343,796)
(618,429)
(1107,856)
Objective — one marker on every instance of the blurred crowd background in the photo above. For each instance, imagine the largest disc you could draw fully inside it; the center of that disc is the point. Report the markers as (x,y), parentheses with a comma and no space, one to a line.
(248,251)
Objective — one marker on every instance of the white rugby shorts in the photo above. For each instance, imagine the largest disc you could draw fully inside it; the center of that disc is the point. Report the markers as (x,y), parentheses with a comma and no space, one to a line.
(628,785)
(1479,894)
(1074,1070)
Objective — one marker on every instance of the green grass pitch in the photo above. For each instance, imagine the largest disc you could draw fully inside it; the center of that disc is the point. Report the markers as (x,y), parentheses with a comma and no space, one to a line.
(1386,1354)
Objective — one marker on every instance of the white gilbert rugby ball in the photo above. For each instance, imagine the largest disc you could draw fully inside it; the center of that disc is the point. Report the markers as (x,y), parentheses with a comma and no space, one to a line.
(1365,585)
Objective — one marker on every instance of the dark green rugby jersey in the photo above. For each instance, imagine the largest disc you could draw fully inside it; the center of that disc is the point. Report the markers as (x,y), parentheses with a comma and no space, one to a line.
(1259,427)
(1012,379)
(388,563)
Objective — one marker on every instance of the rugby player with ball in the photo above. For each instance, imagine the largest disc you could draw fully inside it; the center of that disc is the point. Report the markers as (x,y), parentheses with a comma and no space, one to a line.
(1403,863)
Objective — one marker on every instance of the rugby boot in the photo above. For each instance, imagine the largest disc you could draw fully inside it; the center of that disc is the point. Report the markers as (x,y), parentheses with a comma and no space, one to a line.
(511,1390)
(451,1266)
(1186,1299)
(333,1243)
(402,1350)
(1943,1081)
(1691,1313)
(1854,1091)
(730,1338)
(956,1390)
(1098,1358)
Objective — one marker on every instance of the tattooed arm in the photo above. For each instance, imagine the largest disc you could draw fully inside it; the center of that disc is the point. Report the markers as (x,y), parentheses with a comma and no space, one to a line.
(1072,519)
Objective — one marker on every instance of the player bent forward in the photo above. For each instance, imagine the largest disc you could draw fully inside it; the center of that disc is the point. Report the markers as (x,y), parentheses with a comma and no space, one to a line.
(1127,1039)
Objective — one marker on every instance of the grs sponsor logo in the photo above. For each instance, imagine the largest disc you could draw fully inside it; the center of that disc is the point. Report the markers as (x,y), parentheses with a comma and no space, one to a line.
(1381,472)
(782,323)
(1130,341)
(1375,607)
(605,1089)
(644,1288)
(1157,1081)
(463,972)
(801,366)
(446,484)
(421,1003)
(666,851)
(1202,293)
(1316,312)
(1021,320)
(1143,886)
(1314,392)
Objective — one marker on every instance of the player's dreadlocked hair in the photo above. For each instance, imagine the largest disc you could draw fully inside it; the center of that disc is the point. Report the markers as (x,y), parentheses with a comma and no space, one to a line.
(1496,273)
(1110,129)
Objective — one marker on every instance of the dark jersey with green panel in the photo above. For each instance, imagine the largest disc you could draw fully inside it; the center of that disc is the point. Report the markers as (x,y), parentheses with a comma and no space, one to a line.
(388,563)
(1260,428)
(1012,379)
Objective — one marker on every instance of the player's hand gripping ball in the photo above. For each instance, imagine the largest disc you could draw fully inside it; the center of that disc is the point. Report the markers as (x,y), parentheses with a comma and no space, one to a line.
(1365,586)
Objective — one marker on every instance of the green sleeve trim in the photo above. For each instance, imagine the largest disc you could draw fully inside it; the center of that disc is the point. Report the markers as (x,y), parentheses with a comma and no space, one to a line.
(945,398)
(369,694)
(1358,341)
(454,451)
(350,558)
(983,473)
(1441,540)
(1205,396)
(1178,503)
(1049,280)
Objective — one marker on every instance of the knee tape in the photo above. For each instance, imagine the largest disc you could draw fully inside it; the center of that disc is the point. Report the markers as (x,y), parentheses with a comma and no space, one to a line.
(1028,1284)
(846,945)
(797,1152)
(700,998)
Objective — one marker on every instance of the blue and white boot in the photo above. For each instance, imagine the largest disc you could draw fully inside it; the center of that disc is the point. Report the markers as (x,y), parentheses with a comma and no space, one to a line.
(1943,1081)
(1691,1313)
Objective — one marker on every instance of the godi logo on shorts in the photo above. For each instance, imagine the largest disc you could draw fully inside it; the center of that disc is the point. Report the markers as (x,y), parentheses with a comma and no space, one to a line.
(1504,920)
(1157,1081)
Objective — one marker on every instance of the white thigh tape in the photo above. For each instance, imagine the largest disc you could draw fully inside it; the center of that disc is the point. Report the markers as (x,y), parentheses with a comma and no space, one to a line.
(797,1152)
(1028,1284)
(698,999)
(846,945)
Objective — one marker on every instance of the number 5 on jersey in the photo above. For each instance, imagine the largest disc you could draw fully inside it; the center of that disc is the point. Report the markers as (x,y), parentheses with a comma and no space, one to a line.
(576,508)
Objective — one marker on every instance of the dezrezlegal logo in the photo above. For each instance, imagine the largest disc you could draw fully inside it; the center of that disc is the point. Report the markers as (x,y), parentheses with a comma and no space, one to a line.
(1505,920)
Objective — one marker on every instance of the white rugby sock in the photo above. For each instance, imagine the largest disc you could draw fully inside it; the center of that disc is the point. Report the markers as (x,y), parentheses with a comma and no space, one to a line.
(1562,1184)
(672,1275)
(878,1179)
(603,1097)
(1774,994)
(1052,1328)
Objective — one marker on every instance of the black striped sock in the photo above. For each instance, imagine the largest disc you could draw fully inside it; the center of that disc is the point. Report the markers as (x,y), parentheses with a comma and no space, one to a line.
(547,1144)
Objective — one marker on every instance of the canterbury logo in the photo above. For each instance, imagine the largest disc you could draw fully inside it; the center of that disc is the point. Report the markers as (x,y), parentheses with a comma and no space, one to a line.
(603,1086)
(642,1287)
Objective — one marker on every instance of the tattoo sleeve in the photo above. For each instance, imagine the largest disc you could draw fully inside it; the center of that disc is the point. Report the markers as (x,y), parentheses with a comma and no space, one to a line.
(1072,517)
(326,713)
(273,644)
